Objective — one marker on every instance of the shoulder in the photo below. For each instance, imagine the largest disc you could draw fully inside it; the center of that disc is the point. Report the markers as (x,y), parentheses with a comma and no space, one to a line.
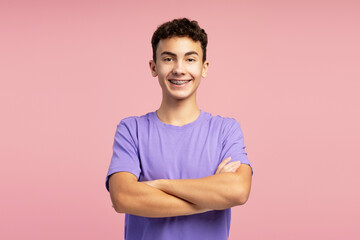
(130,127)
(133,122)
(225,123)
(225,126)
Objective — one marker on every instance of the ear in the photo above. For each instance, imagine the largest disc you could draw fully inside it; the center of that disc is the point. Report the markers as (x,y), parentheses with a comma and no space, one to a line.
(204,68)
(153,69)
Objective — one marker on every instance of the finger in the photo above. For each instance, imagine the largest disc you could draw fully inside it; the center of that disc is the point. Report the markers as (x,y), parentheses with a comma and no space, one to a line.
(236,167)
(222,164)
(230,167)
(231,164)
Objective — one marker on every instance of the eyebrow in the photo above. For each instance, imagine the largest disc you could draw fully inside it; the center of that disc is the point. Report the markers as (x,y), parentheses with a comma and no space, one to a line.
(174,55)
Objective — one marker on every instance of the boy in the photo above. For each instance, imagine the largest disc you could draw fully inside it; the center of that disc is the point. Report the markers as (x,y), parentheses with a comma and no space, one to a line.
(176,172)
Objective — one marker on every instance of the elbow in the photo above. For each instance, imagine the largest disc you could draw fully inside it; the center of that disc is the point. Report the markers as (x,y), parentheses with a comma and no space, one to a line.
(118,204)
(241,192)
(242,197)
(118,208)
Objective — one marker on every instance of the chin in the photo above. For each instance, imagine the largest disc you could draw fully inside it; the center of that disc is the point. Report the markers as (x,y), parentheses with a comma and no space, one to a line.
(182,97)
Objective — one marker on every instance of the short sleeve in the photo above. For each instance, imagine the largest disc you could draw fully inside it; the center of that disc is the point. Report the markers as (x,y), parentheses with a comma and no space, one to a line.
(125,153)
(233,142)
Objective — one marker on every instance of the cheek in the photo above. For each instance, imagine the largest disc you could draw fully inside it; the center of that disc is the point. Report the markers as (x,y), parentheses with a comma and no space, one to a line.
(163,71)
(196,71)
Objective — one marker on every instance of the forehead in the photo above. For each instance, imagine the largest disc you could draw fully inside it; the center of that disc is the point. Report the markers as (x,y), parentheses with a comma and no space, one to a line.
(179,46)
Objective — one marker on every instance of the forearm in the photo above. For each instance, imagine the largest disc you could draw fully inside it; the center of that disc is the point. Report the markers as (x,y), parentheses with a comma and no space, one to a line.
(217,192)
(139,199)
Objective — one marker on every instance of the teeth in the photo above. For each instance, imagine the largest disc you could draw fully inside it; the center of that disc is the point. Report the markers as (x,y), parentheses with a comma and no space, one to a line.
(178,82)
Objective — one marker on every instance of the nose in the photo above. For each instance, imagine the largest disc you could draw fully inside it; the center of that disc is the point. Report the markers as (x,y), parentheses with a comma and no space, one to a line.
(178,68)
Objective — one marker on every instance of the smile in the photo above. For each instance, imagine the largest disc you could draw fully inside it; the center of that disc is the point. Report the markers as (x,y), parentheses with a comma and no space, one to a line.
(179,82)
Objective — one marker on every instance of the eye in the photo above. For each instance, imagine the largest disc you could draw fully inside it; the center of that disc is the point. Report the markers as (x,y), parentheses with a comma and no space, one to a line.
(168,59)
(191,60)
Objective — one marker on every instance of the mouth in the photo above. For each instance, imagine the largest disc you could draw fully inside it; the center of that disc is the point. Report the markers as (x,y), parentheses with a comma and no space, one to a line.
(179,82)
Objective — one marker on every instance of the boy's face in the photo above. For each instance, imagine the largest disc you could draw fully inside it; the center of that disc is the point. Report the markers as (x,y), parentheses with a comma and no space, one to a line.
(179,67)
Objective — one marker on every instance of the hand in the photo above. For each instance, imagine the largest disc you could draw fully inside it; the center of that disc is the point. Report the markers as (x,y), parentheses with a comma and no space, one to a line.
(225,166)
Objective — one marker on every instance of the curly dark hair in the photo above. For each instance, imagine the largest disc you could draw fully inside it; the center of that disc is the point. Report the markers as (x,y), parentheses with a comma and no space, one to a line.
(181,27)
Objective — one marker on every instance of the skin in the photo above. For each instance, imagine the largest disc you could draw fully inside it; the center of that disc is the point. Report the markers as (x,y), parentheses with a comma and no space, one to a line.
(229,188)
(147,200)
(180,58)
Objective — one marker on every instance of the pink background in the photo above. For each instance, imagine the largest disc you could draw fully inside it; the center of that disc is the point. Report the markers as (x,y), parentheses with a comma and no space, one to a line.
(288,71)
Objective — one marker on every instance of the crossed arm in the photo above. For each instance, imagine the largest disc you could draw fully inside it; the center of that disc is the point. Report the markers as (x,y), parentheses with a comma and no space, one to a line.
(228,187)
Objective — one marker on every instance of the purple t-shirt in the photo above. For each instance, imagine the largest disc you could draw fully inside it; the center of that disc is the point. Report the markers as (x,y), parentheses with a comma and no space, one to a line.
(151,149)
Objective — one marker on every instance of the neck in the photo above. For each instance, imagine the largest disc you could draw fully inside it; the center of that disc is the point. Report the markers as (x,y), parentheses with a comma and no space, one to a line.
(178,112)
